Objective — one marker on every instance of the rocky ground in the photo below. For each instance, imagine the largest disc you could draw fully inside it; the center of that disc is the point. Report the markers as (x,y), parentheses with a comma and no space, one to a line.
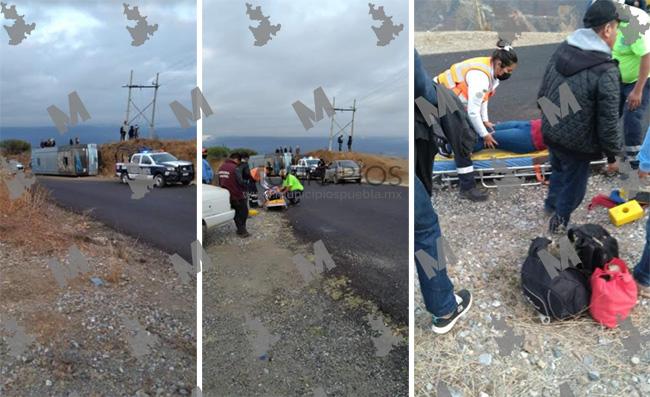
(446,42)
(269,333)
(491,240)
(124,328)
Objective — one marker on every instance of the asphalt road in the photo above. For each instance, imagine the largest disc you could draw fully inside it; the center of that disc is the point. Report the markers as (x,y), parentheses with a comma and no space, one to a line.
(164,218)
(365,229)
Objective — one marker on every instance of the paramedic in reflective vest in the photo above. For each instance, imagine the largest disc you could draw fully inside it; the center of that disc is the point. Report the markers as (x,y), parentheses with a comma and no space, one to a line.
(230,179)
(474,81)
(291,187)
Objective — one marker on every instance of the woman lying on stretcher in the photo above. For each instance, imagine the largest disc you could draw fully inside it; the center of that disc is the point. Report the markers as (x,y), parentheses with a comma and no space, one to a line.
(516,136)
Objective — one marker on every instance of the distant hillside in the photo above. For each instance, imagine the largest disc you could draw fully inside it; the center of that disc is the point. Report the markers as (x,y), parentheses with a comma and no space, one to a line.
(499,15)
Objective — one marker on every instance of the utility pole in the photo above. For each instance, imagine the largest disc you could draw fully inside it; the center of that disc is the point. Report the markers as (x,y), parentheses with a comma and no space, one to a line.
(152,127)
(128,102)
(332,124)
(353,109)
(155,86)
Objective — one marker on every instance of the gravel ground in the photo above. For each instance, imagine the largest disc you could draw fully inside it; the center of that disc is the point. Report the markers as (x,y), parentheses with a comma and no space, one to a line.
(82,344)
(446,42)
(491,240)
(322,343)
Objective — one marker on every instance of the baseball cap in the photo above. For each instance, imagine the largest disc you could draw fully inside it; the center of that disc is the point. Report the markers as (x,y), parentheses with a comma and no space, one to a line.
(602,12)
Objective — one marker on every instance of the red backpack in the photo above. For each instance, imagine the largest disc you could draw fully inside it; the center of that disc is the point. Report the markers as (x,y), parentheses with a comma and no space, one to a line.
(613,293)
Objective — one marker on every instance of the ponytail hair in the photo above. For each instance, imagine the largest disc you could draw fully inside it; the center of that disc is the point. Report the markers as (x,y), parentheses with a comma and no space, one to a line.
(504,53)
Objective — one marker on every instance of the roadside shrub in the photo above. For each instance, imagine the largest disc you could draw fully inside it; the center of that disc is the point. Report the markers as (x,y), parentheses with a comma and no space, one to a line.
(250,152)
(15,146)
(222,152)
(218,152)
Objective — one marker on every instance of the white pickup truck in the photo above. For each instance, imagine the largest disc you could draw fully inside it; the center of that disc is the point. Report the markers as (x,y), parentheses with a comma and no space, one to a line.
(162,167)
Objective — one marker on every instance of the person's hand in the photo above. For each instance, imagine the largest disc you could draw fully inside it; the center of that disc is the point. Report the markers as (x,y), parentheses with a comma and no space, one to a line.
(634,99)
(488,125)
(489,141)
(612,168)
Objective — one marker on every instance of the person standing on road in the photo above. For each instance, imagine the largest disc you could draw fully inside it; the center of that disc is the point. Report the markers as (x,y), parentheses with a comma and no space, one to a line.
(475,81)
(229,179)
(291,187)
(349,143)
(297,153)
(445,306)
(584,63)
(207,169)
(131,132)
(340,141)
(244,172)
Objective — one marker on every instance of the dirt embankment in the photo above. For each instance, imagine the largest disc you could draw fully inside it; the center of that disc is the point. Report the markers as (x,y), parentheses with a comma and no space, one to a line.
(111,153)
(455,41)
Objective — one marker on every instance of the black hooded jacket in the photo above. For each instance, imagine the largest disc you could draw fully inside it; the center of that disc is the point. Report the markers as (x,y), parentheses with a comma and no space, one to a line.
(594,79)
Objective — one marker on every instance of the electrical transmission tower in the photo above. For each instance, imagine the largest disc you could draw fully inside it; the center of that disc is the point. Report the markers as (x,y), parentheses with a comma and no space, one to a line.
(341,130)
(129,103)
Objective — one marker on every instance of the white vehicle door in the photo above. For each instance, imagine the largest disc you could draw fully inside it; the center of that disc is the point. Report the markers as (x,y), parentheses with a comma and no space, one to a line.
(132,168)
(145,166)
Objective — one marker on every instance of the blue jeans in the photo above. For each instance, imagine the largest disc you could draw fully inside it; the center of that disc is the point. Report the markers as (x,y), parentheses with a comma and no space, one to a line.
(642,270)
(438,292)
(633,120)
(567,186)
(513,136)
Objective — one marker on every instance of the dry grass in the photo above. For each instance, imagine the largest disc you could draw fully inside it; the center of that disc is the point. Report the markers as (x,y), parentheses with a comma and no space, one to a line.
(28,221)
(112,153)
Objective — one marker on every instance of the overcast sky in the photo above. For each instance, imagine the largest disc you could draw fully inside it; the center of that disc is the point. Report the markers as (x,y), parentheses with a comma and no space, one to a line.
(84,46)
(328,44)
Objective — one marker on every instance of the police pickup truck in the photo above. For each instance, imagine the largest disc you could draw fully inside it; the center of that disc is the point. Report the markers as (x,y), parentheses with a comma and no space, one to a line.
(162,167)
(305,167)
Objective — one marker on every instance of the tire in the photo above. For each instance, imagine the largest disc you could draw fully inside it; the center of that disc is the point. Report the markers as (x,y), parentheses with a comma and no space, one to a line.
(159,180)
(186,182)
(124,178)
(359,181)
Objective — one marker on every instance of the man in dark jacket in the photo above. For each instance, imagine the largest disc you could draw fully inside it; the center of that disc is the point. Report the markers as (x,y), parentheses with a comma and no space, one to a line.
(230,179)
(583,63)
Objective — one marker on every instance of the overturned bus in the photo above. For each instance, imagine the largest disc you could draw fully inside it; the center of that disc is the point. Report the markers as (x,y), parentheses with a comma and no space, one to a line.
(71,160)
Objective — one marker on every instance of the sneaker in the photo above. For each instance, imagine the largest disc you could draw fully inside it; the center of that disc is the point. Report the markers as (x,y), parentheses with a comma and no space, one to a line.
(556,225)
(243,234)
(443,325)
(474,194)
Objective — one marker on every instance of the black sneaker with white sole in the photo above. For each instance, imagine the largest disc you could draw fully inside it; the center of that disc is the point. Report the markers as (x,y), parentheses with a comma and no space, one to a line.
(444,325)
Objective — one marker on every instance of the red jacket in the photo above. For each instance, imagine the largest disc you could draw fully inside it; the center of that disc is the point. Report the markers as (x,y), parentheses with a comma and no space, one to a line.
(227,178)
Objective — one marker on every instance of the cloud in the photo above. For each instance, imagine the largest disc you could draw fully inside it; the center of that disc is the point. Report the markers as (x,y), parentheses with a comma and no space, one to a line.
(321,44)
(85,47)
